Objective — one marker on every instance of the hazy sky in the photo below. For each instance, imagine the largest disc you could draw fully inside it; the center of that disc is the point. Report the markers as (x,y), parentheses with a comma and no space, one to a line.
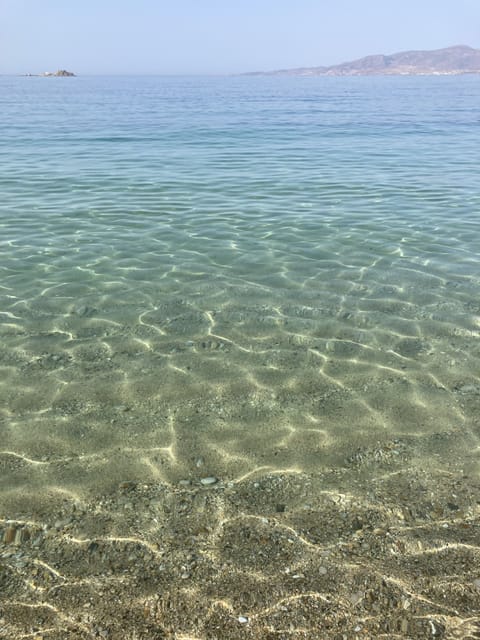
(221,36)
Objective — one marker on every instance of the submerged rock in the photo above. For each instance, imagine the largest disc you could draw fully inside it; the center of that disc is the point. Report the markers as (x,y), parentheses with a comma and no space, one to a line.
(208,481)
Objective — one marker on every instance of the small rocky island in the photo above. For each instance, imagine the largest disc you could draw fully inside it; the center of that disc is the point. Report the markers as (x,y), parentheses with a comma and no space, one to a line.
(61,73)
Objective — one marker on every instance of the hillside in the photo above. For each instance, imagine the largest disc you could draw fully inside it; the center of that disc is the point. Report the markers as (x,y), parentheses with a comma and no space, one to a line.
(450,61)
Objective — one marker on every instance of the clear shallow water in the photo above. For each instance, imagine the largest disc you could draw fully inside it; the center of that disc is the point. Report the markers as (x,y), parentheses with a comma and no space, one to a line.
(228,276)
(272,283)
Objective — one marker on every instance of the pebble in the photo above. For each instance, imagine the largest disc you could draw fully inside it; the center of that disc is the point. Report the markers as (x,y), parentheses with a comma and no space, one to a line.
(356,597)
(127,485)
(242,619)
(209,480)
(469,388)
(84,310)
(37,541)
(21,535)
(9,535)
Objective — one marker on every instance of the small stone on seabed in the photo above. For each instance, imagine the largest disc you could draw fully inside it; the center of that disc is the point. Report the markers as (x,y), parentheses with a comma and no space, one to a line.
(127,485)
(209,480)
(21,535)
(9,535)
(242,619)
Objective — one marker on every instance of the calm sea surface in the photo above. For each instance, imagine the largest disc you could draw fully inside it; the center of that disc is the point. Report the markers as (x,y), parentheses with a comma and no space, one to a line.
(229,276)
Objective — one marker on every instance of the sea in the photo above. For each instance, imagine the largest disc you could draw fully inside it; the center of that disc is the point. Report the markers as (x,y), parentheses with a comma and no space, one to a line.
(208,281)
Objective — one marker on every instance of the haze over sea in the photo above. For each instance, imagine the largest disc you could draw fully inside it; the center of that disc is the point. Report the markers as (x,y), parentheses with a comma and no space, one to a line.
(232,279)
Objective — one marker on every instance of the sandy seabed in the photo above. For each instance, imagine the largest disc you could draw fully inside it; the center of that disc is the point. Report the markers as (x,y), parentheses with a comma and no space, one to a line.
(196,490)
(371,550)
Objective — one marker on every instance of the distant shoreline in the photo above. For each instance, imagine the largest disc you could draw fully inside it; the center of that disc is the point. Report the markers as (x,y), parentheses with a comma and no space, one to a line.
(451,61)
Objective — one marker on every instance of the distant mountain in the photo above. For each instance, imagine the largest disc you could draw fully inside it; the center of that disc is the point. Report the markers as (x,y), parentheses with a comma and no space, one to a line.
(450,61)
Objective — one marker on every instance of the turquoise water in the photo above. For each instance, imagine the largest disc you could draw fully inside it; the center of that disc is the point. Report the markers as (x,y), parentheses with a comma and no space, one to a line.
(239,357)
(253,273)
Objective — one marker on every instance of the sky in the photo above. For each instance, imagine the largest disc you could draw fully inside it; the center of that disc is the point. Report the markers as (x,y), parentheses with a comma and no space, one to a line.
(221,36)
